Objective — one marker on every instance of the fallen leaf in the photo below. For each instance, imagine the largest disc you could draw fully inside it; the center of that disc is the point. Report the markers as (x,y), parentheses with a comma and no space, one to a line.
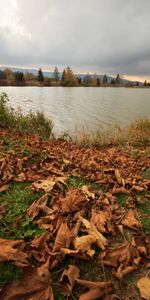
(91,229)
(84,243)
(130,220)
(88,194)
(118,177)
(124,258)
(102,220)
(4,188)
(68,279)
(97,289)
(3,208)
(64,238)
(73,201)
(144,286)
(48,184)
(35,284)
(39,205)
(13,250)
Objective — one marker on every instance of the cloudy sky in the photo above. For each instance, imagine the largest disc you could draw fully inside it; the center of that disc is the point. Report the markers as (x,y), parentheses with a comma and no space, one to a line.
(103,36)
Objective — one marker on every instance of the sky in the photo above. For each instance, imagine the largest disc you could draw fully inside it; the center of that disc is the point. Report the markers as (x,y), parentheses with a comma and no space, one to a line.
(102,36)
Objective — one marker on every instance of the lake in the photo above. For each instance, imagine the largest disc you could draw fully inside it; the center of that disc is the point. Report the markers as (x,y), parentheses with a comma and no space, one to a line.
(74,108)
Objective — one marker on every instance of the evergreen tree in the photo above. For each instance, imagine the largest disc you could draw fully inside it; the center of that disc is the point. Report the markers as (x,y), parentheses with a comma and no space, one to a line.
(19,76)
(105,79)
(87,79)
(56,74)
(98,81)
(40,76)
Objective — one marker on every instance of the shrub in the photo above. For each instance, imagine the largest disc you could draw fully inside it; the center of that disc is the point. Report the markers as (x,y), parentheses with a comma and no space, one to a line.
(32,123)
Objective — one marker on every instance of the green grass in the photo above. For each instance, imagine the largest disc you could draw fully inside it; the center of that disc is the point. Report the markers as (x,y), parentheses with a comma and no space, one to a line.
(146,174)
(9,271)
(121,198)
(18,198)
(32,123)
(144,215)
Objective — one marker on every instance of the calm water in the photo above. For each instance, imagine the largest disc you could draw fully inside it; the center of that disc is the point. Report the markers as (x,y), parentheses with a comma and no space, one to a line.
(75,108)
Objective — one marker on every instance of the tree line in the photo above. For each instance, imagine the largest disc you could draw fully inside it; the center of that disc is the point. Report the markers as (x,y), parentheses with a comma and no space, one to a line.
(66,78)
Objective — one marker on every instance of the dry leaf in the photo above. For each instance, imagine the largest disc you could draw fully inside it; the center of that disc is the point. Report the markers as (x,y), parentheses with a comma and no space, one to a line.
(13,250)
(88,194)
(97,289)
(130,220)
(64,238)
(144,286)
(68,279)
(3,208)
(118,177)
(84,244)
(4,188)
(35,285)
(39,205)
(73,201)
(102,220)
(91,229)
(125,258)
(48,184)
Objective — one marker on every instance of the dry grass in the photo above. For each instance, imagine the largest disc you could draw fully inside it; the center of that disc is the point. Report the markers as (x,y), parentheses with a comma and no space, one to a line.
(136,134)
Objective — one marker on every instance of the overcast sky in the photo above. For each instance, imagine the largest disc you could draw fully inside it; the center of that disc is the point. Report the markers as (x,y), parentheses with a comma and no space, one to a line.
(105,36)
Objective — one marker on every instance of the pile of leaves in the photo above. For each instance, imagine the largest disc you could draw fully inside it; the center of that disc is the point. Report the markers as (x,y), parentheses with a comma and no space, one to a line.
(86,210)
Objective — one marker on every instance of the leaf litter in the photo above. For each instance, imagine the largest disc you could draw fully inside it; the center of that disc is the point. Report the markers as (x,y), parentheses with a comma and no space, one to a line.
(81,223)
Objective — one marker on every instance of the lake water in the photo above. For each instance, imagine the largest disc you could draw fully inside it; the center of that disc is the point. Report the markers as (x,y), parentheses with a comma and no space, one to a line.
(74,108)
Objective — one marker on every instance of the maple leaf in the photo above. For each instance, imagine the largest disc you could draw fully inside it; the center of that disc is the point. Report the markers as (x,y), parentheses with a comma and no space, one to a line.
(91,229)
(48,184)
(130,220)
(64,238)
(68,279)
(97,289)
(73,201)
(12,250)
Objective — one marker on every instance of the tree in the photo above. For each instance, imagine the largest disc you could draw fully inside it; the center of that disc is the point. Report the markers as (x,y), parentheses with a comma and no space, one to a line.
(105,79)
(145,83)
(94,80)
(19,76)
(40,76)
(56,74)
(117,79)
(2,75)
(113,81)
(9,74)
(98,81)
(69,78)
(87,79)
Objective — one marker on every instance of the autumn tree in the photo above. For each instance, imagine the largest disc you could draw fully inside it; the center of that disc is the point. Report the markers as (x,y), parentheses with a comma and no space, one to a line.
(40,76)
(68,77)
(9,74)
(94,80)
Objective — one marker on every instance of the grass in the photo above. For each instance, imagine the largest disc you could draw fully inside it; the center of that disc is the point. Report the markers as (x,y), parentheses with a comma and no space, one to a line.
(136,134)
(32,123)
(8,271)
(18,198)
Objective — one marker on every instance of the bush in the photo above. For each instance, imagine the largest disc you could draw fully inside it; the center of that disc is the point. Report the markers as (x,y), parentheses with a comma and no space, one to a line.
(32,123)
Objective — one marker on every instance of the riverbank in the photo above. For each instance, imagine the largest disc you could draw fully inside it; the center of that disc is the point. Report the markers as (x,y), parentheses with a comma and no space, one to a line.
(78,214)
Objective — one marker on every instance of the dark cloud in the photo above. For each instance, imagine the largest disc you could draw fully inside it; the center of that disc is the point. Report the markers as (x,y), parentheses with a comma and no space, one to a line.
(109,36)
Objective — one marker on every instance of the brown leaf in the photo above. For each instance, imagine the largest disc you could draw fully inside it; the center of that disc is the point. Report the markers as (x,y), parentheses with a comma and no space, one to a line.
(125,258)
(35,285)
(64,238)
(39,205)
(67,280)
(130,220)
(88,194)
(84,244)
(118,177)
(3,208)
(91,229)
(102,220)
(39,247)
(144,286)
(97,289)
(4,188)
(12,250)
(48,184)
(73,201)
